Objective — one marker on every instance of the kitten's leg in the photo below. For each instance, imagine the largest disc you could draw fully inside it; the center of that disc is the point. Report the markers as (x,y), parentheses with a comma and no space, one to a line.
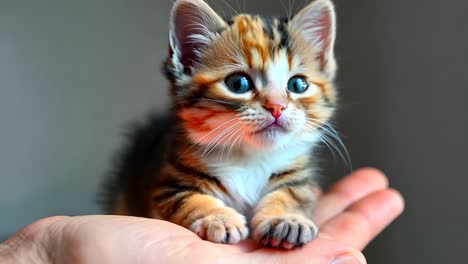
(283,217)
(205,215)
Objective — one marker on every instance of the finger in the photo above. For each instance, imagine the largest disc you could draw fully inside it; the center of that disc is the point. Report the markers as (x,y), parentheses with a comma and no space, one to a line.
(317,251)
(347,191)
(363,220)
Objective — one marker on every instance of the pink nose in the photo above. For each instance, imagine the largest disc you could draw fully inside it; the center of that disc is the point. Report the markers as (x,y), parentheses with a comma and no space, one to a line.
(275,109)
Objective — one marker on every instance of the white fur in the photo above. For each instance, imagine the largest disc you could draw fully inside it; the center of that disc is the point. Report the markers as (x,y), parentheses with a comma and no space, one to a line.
(278,73)
(246,178)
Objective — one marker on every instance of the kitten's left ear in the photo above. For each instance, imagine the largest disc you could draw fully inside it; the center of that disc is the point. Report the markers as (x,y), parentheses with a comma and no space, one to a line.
(317,23)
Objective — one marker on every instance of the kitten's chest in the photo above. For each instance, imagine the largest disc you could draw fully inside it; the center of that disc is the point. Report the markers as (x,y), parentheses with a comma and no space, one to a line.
(246,181)
(245,185)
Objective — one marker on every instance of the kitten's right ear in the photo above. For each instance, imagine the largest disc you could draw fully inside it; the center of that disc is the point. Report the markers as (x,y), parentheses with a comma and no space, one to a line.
(316,22)
(193,25)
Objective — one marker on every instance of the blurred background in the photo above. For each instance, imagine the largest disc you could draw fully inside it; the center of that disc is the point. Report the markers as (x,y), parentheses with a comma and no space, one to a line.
(72,73)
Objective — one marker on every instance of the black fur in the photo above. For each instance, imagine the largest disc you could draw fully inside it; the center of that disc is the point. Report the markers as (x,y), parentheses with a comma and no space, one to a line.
(283,29)
(137,163)
(191,171)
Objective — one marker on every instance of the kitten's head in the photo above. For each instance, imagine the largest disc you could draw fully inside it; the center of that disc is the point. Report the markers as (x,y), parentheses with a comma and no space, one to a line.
(252,81)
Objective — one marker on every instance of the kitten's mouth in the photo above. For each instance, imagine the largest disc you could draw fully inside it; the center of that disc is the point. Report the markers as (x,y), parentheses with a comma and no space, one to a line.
(273,127)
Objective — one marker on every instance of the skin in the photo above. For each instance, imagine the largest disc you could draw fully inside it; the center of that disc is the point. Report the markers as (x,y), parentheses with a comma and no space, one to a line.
(350,215)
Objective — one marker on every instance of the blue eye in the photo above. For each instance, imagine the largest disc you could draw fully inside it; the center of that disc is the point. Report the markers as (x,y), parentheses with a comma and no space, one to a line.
(239,83)
(298,84)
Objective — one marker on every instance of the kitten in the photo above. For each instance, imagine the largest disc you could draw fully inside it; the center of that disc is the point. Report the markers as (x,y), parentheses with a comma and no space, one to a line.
(233,156)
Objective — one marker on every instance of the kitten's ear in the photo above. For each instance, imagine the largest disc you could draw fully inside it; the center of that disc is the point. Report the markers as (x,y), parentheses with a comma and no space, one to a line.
(193,24)
(317,23)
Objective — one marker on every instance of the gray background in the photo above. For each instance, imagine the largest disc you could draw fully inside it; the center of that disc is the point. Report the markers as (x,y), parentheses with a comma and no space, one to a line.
(73,72)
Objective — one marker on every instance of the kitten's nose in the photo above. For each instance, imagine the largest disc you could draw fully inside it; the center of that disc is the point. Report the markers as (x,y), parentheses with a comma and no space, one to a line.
(275,108)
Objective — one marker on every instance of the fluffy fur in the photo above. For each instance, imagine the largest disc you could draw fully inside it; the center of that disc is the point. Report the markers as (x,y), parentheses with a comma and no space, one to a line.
(224,163)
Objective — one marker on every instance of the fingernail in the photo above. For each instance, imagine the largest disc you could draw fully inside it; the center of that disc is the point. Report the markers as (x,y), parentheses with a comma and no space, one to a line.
(348,258)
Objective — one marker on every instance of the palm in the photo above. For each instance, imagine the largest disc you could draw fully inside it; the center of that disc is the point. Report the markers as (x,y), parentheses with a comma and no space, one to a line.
(350,214)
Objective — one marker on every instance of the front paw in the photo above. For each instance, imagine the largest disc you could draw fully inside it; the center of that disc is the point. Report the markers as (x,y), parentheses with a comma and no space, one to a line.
(224,225)
(286,231)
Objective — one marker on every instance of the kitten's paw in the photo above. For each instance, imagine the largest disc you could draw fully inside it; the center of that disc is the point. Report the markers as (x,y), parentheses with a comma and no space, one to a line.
(225,225)
(287,231)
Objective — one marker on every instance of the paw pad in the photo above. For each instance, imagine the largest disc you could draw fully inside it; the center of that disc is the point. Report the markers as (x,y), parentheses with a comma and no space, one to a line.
(228,227)
(285,232)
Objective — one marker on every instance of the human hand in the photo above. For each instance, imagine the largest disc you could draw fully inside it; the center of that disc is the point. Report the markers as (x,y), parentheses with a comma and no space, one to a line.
(350,215)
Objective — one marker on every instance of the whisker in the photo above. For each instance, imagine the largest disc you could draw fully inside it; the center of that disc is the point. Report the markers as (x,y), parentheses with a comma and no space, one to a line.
(232,8)
(216,141)
(238,6)
(229,140)
(341,148)
(237,140)
(222,140)
(206,135)
(323,140)
(221,134)
(332,132)
(333,141)
(290,9)
(285,8)
(238,137)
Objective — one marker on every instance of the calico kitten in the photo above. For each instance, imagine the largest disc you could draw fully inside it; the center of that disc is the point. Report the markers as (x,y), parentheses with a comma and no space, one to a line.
(233,156)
